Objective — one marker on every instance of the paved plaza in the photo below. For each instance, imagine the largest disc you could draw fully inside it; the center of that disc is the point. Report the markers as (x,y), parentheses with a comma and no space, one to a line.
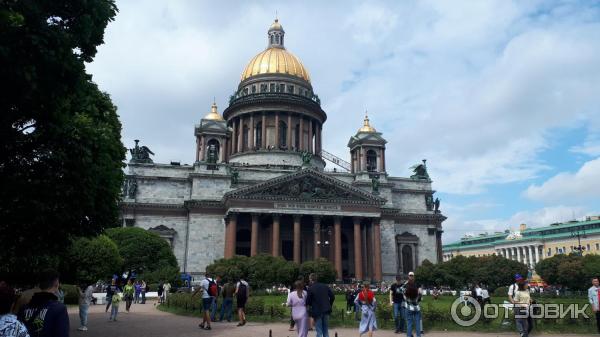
(145,320)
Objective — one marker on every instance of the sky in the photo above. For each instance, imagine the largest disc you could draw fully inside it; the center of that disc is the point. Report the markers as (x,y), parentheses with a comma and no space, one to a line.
(501,97)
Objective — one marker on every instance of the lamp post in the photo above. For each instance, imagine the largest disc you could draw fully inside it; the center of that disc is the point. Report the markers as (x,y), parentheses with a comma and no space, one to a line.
(579,233)
(326,235)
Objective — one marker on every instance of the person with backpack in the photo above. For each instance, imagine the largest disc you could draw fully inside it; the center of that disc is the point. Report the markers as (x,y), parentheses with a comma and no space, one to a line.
(208,286)
(116,300)
(242,292)
(215,297)
(45,315)
(227,304)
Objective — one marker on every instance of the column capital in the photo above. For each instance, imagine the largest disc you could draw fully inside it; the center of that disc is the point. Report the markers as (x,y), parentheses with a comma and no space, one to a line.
(297,217)
(317,219)
(357,219)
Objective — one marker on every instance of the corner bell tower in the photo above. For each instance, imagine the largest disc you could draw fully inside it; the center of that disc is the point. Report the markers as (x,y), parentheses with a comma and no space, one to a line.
(211,138)
(367,150)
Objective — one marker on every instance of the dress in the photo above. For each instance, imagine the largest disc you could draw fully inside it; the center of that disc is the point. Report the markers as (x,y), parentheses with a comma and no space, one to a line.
(11,327)
(368,321)
(299,313)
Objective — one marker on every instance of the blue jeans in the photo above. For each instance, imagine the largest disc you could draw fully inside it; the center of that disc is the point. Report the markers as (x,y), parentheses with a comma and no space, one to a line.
(322,325)
(213,308)
(413,319)
(83,314)
(226,308)
(114,311)
(399,316)
(357,312)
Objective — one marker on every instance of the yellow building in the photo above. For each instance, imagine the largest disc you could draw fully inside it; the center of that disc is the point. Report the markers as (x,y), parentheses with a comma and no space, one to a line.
(531,245)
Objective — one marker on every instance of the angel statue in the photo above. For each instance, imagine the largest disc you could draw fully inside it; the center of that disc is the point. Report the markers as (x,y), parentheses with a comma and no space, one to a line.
(140,154)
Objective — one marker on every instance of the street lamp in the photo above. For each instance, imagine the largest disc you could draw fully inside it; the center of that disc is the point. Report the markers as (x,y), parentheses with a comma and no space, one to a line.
(579,233)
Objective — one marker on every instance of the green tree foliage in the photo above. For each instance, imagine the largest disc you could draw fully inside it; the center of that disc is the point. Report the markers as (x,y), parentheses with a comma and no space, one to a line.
(459,272)
(572,271)
(264,270)
(145,253)
(90,260)
(61,155)
(323,268)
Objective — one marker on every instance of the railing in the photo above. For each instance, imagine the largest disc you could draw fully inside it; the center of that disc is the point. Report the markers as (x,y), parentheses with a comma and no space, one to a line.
(336,160)
(237,98)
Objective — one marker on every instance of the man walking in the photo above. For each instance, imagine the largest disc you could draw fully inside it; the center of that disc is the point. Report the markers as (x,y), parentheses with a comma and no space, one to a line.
(242,292)
(593,297)
(320,300)
(396,300)
(205,287)
(45,315)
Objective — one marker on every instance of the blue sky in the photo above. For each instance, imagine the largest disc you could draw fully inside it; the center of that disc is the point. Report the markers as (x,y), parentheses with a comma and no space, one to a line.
(502,97)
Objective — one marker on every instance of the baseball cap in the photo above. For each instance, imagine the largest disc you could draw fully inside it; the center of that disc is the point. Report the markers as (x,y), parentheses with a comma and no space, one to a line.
(518,277)
(411,274)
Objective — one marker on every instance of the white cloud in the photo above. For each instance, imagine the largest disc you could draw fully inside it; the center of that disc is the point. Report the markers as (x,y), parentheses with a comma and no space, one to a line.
(456,227)
(476,88)
(566,186)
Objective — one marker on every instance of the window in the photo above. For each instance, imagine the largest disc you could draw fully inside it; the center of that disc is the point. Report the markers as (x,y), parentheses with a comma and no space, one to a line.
(588,247)
(272,87)
(253,89)
(245,91)
(282,87)
(291,89)
(258,134)
(212,149)
(272,39)
(371,161)
(282,135)
(129,222)
(246,130)
(549,251)
(297,137)
(263,87)
(598,246)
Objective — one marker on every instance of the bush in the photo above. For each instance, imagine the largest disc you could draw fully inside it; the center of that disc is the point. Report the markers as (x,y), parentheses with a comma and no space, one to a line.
(71,293)
(501,292)
(255,306)
(322,267)
(90,260)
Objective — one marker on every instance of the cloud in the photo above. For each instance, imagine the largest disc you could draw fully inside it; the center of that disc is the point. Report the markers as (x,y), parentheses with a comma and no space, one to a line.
(566,186)
(456,227)
(479,89)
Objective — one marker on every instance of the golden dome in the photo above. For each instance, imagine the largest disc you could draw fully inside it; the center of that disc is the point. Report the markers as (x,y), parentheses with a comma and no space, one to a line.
(213,115)
(275,60)
(366,126)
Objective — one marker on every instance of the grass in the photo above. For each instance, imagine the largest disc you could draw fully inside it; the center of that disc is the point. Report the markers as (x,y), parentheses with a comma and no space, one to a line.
(436,315)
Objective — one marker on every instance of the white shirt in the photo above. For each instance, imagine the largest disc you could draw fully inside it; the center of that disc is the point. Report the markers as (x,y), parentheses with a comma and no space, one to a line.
(478,292)
(204,285)
(484,293)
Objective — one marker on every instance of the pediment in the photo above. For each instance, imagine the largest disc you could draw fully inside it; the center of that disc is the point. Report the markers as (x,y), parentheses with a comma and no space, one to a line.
(307,185)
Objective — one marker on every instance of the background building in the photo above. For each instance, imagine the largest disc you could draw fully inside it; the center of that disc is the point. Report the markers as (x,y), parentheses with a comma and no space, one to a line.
(531,245)
(259,185)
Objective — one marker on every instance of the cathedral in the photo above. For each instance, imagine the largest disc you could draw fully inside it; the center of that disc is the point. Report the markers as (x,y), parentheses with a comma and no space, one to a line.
(260,185)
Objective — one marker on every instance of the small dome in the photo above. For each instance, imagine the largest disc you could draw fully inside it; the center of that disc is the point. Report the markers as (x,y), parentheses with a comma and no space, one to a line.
(276,25)
(275,61)
(366,125)
(213,115)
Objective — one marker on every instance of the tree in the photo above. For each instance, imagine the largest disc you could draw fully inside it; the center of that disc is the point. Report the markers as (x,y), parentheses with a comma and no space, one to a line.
(572,271)
(94,259)
(322,267)
(459,272)
(61,156)
(144,252)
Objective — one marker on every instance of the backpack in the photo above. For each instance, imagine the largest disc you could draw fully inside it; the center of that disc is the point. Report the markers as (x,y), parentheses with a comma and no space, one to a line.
(212,287)
(242,291)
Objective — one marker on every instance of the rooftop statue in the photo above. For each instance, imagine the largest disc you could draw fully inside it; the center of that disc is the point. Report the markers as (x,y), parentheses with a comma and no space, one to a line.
(420,171)
(140,154)
(306,158)
(375,184)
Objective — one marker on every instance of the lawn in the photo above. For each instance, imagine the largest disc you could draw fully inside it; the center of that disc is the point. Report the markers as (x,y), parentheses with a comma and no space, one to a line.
(436,314)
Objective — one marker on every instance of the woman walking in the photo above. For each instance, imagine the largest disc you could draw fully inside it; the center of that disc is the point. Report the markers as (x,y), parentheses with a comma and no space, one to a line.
(412,297)
(297,301)
(522,300)
(367,302)
(128,291)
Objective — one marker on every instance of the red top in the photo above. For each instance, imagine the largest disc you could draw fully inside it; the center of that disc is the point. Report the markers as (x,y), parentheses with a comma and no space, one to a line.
(366,296)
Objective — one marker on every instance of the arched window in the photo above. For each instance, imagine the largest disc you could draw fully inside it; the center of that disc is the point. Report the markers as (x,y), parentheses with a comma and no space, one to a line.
(371,161)
(245,138)
(282,135)
(407,259)
(258,134)
(212,149)
(297,137)
(272,39)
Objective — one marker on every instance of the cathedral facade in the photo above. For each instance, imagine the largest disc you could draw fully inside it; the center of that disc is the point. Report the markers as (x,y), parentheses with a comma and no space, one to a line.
(259,185)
